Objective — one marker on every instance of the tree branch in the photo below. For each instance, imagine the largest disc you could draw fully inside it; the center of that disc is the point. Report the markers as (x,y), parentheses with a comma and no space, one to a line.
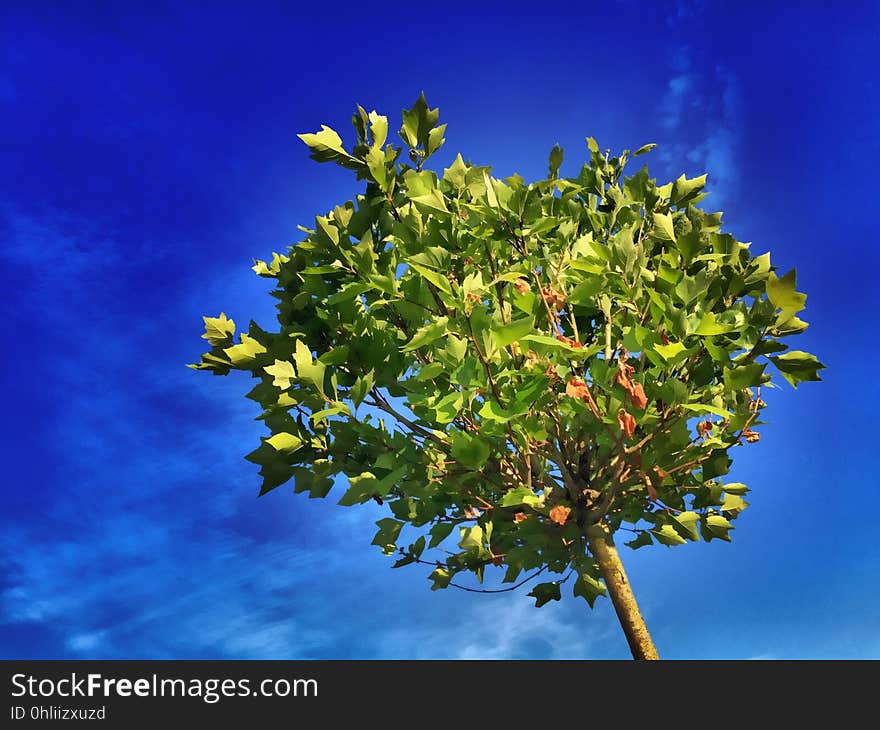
(382,404)
(485,362)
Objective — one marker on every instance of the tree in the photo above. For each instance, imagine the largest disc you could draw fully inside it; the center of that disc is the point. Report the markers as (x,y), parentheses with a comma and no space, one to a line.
(516,371)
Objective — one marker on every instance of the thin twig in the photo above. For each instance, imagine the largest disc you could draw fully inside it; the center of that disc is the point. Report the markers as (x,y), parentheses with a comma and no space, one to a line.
(502,590)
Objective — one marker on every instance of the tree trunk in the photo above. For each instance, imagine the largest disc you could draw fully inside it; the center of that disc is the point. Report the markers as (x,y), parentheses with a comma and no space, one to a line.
(611,568)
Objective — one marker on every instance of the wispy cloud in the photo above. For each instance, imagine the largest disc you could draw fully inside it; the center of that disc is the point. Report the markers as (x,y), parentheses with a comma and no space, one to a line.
(701,109)
(138,539)
(145,538)
(509,627)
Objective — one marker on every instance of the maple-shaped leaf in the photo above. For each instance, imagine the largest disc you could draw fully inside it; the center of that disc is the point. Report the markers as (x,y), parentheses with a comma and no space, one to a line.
(282,372)
(219,330)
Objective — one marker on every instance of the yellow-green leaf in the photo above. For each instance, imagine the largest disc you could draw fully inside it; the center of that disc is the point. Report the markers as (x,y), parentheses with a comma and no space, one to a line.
(663,226)
(218,330)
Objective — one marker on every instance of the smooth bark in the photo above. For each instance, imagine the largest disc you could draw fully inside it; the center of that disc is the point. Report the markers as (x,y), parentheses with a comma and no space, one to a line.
(620,591)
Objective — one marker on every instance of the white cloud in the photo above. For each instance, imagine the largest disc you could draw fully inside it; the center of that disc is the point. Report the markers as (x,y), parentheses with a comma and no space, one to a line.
(701,111)
(675,100)
(507,626)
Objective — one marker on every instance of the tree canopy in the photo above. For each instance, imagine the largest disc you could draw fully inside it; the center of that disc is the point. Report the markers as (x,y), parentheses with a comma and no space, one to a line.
(506,365)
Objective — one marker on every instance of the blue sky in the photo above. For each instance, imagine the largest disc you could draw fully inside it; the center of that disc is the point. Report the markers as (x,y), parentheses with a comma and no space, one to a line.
(149,154)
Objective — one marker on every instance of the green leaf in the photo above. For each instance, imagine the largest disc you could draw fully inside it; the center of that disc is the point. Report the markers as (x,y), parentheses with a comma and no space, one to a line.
(455,173)
(715,526)
(435,140)
(282,372)
(386,537)
(673,391)
(554,343)
(472,539)
(431,370)
(644,148)
(440,578)
(585,292)
(512,332)
(736,488)
(326,146)
(798,367)
(733,504)
(491,198)
(684,190)
(686,523)
(520,495)
(309,370)
(375,159)
(643,540)
(471,451)
(783,295)
(706,408)
(427,334)
(275,464)
(244,354)
(744,376)
(545,592)
(433,201)
(555,161)
(663,226)
(440,532)
(718,464)
(361,387)
(786,325)
(331,411)
(362,487)
(668,536)
(709,326)
(671,351)
(593,145)
(447,408)
(285,443)
(588,588)
(218,330)
(494,412)
(418,123)
(435,277)
(378,129)
(419,183)
(692,287)
(456,347)
(689,243)
(759,268)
